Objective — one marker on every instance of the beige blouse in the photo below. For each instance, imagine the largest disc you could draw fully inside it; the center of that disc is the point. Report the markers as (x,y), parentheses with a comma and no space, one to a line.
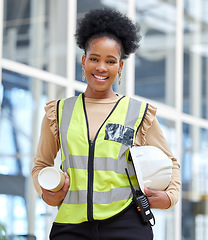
(97,111)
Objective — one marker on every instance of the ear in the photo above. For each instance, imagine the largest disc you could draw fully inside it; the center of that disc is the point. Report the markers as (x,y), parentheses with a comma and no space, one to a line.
(83,61)
(121,66)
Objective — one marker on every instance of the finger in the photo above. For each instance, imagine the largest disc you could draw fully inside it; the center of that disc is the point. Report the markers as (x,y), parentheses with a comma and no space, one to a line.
(151,192)
(66,176)
(45,190)
(148,191)
(66,182)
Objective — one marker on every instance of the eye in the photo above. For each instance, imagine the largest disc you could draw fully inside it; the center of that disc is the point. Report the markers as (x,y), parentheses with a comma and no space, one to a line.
(93,59)
(111,62)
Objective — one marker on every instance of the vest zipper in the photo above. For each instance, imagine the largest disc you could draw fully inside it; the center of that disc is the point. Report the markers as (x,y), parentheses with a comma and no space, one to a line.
(91,162)
(90,181)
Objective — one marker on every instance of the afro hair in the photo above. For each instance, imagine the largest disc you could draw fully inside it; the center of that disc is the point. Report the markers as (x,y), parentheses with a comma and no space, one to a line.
(111,23)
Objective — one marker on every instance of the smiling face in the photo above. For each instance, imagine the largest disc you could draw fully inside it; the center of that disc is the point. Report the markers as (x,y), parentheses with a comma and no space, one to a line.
(101,64)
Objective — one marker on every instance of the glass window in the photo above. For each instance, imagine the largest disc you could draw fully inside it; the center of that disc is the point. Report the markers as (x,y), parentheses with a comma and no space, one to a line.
(169,132)
(164,228)
(22,109)
(194,183)
(155,59)
(35,33)
(196,58)
(13,210)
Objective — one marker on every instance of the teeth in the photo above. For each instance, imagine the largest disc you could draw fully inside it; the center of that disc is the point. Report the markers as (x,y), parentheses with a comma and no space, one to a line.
(99,77)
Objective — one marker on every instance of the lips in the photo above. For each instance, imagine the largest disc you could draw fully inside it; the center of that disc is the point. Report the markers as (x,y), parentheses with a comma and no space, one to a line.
(100,77)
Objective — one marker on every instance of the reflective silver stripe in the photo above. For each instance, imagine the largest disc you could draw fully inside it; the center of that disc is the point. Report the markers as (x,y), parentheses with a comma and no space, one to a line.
(115,194)
(102,164)
(79,162)
(131,118)
(65,120)
(122,151)
(76,197)
(132,113)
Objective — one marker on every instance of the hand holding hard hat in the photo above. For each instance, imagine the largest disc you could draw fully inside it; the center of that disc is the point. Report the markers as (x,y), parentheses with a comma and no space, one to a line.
(152,166)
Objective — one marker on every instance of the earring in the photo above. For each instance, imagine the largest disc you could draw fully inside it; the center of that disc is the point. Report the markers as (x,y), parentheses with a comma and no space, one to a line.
(119,78)
(83,74)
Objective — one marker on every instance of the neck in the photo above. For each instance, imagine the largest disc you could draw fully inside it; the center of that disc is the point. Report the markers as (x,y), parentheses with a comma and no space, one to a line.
(99,95)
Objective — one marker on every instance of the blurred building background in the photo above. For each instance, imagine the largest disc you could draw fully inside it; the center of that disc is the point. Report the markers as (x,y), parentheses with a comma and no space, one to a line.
(39,61)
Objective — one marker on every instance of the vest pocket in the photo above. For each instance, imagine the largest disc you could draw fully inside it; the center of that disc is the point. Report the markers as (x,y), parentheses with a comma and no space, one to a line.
(119,133)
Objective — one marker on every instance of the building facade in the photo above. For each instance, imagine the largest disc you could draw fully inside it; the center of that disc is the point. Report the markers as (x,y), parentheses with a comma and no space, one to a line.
(39,62)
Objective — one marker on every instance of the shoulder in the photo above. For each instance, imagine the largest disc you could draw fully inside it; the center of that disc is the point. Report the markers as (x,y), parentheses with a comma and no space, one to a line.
(149,109)
(67,101)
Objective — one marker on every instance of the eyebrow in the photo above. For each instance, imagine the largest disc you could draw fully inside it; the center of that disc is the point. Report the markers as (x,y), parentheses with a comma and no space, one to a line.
(98,55)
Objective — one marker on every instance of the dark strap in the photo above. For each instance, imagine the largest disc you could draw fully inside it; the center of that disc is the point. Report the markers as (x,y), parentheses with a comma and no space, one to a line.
(57,111)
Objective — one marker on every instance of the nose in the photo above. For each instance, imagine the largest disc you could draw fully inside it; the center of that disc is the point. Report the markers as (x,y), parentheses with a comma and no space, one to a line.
(101,67)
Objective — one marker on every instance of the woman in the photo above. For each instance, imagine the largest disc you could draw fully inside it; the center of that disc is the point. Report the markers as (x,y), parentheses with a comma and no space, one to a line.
(95,131)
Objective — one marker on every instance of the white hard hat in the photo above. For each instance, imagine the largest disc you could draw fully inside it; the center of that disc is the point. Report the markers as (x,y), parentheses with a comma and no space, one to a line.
(152,166)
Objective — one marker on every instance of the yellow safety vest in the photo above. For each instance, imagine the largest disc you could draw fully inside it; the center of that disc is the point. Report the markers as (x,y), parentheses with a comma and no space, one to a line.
(99,187)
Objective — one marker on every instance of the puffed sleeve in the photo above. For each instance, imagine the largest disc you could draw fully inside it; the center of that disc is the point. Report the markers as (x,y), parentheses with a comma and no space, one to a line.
(146,124)
(51,114)
(48,145)
(151,134)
